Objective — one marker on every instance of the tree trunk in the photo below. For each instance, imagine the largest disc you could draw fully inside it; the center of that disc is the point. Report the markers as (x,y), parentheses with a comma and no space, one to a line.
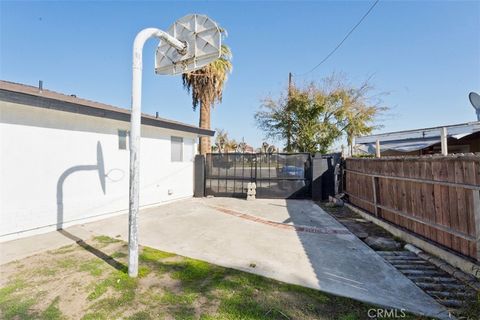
(204,124)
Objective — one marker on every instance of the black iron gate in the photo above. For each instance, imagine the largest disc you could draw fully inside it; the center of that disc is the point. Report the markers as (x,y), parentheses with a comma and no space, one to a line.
(277,175)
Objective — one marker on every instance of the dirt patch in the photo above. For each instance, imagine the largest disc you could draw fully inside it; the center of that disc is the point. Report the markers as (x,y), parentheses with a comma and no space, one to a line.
(360,227)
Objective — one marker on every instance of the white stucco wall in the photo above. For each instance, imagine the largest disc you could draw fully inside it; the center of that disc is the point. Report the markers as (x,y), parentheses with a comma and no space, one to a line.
(51,169)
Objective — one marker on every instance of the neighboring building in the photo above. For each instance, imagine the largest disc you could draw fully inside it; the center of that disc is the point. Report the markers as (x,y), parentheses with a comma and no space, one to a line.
(461,138)
(249,149)
(65,160)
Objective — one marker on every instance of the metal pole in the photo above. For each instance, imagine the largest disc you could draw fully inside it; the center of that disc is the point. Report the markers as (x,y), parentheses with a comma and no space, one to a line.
(352,147)
(443,141)
(135,122)
(377,148)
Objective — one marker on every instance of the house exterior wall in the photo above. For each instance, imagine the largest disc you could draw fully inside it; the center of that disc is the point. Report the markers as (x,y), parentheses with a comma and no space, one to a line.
(59,168)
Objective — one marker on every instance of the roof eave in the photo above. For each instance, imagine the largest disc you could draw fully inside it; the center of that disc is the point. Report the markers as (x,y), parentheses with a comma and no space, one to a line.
(36,100)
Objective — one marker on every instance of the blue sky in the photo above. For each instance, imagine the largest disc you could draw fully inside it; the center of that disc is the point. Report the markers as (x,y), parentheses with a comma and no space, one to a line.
(426,54)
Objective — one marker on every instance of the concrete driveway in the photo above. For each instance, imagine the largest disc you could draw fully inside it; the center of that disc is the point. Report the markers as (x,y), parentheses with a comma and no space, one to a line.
(293,241)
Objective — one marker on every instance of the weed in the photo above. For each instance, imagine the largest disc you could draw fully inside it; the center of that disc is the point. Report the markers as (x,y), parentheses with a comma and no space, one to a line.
(93,266)
(11,288)
(66,263)
(105,239)
(99,289)
(152,255)
(52,312)
(94,316)
(190,270)
(13,306)
(244,306)
(141,315)
(471,306)
(18,309)
(350,316)
(318,296)
(118,254)
(143,271)
(46,272)
(64,249)
(176,299)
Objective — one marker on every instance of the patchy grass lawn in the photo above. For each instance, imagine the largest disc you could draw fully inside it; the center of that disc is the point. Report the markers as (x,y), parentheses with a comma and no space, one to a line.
(90,281)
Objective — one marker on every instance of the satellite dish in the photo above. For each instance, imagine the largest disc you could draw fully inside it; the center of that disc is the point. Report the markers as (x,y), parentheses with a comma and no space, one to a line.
(203,39)
(475,101)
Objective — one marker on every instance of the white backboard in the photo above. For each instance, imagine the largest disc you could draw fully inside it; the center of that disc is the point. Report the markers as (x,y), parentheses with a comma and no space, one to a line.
(203,39)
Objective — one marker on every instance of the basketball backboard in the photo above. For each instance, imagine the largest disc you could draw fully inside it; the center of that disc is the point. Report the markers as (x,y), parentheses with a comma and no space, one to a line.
(202,37)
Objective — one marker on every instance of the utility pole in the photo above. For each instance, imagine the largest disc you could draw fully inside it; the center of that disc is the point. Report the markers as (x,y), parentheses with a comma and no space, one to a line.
(289,129)
(289,84)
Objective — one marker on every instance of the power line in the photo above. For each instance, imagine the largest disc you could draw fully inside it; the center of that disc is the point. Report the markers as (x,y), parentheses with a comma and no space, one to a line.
(343,40)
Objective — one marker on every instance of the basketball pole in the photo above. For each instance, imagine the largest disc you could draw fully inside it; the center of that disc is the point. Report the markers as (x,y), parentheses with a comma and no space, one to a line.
(135,134)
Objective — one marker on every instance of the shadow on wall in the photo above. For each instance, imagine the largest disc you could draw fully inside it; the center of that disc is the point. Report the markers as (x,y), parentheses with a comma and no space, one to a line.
(100,167)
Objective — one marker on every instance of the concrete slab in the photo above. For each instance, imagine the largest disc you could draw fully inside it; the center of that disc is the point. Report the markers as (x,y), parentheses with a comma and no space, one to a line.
(293,241)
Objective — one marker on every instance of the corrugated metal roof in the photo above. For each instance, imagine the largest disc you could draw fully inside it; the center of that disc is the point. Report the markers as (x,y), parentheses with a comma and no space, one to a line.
(456,131)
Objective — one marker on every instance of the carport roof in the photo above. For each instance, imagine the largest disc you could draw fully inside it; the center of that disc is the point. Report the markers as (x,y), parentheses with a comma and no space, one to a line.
(36,97)
(417,139)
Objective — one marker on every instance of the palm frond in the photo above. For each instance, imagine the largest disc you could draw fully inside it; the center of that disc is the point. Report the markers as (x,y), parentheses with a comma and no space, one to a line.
(206,84)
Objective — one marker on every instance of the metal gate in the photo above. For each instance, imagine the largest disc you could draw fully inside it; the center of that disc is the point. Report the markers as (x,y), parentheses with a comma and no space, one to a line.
(277,175)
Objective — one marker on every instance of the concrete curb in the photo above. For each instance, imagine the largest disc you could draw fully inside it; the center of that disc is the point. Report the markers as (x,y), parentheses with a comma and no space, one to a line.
(454,260)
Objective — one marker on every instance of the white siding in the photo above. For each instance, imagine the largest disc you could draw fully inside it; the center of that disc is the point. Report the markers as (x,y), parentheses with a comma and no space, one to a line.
(51,169)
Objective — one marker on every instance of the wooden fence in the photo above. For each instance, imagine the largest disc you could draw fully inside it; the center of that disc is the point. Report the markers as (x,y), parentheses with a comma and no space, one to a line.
(435,197)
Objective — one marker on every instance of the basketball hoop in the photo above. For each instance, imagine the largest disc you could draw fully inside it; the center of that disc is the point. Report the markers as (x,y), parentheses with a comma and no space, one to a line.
(191,43)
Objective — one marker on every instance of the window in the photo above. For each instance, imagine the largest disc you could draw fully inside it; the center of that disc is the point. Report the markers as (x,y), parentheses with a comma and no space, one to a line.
(177,149)
(122,139)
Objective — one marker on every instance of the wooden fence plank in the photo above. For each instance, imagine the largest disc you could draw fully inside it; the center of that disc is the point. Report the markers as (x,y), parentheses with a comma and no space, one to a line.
(429,199)
(461,205)
(445,202)
(435,197)
(453,206)
(421,199)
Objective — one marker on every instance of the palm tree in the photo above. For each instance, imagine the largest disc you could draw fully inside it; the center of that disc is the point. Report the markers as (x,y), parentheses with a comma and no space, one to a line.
(221,140)
(242,146)
(271,149)
(206,86)
(231,146)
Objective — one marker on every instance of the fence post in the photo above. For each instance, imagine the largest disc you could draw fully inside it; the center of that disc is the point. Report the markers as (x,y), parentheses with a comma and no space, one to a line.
(375,189)
(476,212)
(199,176)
